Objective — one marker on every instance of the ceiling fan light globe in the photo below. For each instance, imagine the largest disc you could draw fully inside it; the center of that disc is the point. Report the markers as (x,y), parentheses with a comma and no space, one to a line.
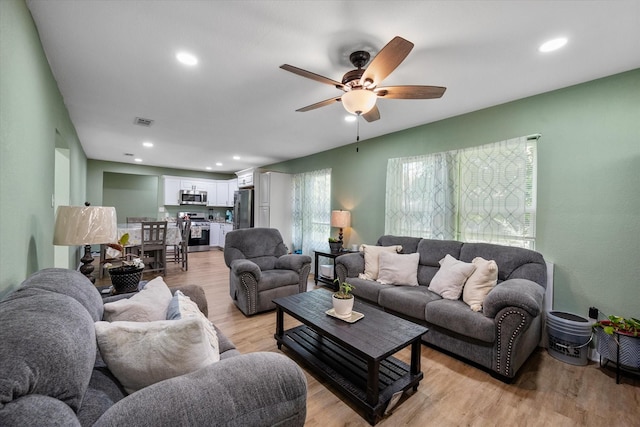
(359,101)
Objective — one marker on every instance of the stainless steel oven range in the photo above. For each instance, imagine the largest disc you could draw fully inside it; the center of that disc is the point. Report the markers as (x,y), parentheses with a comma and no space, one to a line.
(200,230)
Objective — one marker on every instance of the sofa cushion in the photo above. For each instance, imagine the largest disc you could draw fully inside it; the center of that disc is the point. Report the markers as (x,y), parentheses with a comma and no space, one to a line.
(181,307)
(146,306)
(449,280)
(408,300)
(47,344)
(367,289)
(409,244)
(398,269)
(143,353)
(513,263)
(458,317)
(371,262)
(480,283)
(71,283)
(432,251)
(272,279)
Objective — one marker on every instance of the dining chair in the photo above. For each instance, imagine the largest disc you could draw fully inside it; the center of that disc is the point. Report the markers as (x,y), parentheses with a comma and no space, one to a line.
(153,246)
(180,251)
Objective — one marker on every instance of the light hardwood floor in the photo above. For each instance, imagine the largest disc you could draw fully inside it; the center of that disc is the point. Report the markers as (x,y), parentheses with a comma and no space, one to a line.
(547,392)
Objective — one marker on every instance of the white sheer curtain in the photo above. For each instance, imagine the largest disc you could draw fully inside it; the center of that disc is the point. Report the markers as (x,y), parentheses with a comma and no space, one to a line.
(420,196)
(497,194)
(311,210)
(479,194)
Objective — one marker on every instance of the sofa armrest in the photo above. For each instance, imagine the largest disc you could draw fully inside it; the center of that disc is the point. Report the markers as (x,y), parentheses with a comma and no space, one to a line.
(293,262)
(250,389)
(241,266)
(520,293)
(349,265)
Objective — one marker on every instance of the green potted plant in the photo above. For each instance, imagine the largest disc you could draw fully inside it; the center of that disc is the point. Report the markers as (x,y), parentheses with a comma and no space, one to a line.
(619,336)
(343,299)
(334,244)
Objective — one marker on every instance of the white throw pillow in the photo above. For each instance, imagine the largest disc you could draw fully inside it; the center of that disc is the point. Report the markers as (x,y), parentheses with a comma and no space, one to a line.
(398,269)
(480,283)
(450,278)
(143,353)
(181,307)
(371,254)
(146,306)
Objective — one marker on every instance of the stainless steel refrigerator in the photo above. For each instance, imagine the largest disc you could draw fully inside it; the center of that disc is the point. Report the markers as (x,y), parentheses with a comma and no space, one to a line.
(243,208)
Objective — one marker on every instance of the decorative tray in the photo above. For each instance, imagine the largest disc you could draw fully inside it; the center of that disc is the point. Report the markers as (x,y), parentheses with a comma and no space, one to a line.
(355,316)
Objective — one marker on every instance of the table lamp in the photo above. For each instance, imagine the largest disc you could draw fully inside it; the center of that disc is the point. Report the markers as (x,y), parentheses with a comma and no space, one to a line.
(85,225)
(340,219)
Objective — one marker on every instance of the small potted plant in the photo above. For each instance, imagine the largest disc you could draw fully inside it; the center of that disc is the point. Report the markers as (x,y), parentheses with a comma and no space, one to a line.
(343,299)
(619,335)
(334,244)
(125,277)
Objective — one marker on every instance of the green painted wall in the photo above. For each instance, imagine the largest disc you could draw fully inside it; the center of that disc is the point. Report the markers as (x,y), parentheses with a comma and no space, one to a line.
(133,189)
(31,111)
(131,195)
(588,221)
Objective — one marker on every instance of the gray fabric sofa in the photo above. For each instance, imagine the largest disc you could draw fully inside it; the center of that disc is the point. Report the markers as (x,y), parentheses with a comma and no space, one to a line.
(499,338)
(261,269)
(51,372)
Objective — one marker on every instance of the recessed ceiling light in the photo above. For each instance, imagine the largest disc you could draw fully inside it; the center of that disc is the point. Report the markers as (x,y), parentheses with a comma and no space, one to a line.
(236,157)
(208,168)
(138,160)
(552,45)
(147,144)
(218,163)
(186,58)
(350,118)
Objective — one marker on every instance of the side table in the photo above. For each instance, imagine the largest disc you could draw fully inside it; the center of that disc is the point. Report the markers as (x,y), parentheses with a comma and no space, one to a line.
(331,255)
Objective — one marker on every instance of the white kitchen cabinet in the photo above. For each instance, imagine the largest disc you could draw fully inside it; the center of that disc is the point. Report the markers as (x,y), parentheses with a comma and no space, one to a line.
(274,204)
(224,229)
(193,184)
(233,187)
(171,190)
(214,234)
(222,193)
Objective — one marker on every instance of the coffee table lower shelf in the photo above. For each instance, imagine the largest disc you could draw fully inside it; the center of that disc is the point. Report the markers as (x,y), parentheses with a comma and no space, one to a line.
(350,373)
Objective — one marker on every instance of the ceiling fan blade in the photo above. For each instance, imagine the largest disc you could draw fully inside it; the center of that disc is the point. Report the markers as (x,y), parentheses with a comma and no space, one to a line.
(387,60)
(372,115)
(319,104)
(312,76)
(410,92)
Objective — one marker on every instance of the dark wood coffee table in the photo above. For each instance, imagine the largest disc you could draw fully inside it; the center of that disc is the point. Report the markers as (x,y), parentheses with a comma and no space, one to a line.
(356,358)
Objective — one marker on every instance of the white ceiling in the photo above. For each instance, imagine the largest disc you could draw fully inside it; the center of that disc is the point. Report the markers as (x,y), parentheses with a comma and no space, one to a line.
(115,61)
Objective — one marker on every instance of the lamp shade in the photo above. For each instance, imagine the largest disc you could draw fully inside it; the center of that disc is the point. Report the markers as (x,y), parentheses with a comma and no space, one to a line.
(359,101)
(340,219)
(85,225)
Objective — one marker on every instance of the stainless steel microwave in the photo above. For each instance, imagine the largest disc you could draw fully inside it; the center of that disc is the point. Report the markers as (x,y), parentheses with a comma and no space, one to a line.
(193,197)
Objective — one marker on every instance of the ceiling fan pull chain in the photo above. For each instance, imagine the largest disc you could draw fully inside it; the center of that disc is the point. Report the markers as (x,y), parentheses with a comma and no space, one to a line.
(357,131)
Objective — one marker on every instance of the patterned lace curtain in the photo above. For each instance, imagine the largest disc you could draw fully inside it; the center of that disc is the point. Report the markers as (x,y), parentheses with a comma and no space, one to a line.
(311,210)
(420,196)
(479,194)
(498,193)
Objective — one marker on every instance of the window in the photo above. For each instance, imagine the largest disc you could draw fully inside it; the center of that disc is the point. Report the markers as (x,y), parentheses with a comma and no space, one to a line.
(311,210)
(479,194)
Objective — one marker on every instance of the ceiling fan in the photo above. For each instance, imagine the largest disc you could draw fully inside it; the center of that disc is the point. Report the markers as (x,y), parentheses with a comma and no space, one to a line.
(361,86)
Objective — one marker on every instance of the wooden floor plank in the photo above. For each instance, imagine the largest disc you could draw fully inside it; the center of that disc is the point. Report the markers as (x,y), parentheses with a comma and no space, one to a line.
(547,392)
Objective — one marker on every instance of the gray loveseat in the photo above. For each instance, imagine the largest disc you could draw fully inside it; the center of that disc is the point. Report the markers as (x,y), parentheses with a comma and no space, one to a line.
(51,372)
(500,337)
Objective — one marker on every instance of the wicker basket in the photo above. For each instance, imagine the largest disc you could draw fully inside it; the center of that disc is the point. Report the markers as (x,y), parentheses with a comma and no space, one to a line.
(125,279)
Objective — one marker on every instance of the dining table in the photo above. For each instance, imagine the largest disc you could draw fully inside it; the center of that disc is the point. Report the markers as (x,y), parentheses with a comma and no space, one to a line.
(174,237)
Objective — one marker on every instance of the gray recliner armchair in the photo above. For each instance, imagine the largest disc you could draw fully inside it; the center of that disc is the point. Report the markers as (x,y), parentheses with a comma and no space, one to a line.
(261,269)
